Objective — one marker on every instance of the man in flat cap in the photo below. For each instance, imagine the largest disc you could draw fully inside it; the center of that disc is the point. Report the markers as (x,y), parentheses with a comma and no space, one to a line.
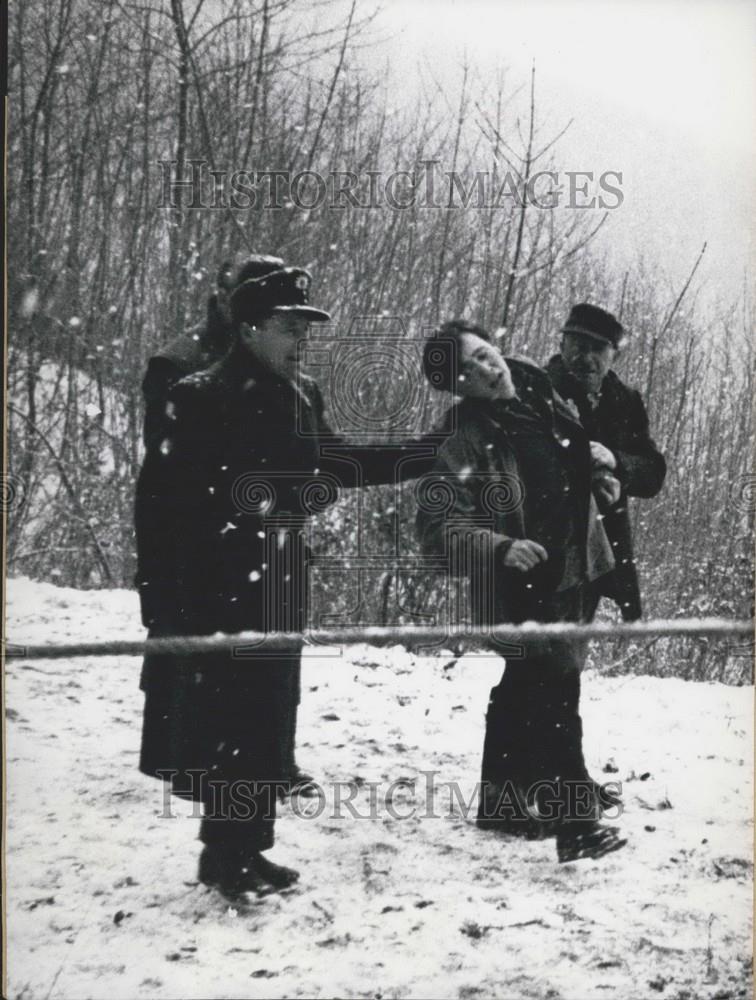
(626,461)
(221,514)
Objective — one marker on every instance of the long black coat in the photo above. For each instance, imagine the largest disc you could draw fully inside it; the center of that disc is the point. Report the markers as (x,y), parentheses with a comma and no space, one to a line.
(201,346)
(621,423)
(221,513)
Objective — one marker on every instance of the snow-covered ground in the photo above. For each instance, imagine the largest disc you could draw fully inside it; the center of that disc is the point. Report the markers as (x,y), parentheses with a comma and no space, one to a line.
(102,898)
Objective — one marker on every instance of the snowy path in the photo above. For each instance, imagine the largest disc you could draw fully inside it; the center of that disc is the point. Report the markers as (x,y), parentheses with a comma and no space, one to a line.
(102,897)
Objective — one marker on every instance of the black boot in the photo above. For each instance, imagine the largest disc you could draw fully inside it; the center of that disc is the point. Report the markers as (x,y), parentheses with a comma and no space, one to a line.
(230,872)
(587,840)
(236,874)
(277,876)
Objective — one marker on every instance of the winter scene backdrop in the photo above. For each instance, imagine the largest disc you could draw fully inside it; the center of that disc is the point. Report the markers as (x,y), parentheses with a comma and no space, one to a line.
(407,899)
(441,117)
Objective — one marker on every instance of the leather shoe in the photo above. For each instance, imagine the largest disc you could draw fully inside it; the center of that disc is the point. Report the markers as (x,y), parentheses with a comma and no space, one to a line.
(587,840)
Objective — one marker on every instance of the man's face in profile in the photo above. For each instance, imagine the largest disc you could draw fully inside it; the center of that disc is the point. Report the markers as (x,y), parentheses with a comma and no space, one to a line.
(483,372)
(587,359)
(274,341)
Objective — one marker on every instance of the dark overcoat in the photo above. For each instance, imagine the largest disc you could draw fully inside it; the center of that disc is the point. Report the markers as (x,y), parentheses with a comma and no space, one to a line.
(509,471)
(476,502)
(201,346)
(619,422)
(221,515)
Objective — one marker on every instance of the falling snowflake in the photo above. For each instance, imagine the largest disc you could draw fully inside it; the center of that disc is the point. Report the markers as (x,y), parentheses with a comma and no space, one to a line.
(30,302)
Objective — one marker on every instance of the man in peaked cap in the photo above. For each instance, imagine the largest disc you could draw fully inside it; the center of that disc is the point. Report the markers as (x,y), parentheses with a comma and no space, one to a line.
(200,346)
(622,449)
(221,517)
(194,351)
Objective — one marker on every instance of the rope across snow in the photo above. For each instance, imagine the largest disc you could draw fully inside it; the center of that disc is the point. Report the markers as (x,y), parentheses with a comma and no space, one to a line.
(245,645)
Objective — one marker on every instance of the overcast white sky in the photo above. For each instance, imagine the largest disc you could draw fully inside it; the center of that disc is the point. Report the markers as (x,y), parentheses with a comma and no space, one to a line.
(662,91)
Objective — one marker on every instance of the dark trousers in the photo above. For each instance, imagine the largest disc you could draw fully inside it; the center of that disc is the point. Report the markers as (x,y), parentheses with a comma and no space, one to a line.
(241,828)
(239,813)
(533,749)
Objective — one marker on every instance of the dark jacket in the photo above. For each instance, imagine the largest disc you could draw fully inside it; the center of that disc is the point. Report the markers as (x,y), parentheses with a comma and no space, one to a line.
(513,470)
(193,351)
(619,422)
(221,521)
